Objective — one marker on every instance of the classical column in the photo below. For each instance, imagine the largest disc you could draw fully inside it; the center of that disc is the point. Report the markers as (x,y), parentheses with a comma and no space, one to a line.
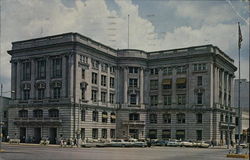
(125,70)
(222,87)
(48,73)
(108,84)
(99,84)
(33,76)
(160,98)
(141,86)
(64,80)
(216,85)
(13,78)
(18,80)
(227,89)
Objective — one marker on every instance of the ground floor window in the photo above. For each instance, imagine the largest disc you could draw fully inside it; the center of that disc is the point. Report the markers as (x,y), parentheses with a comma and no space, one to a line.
(82,133)
(166,134)
(180,134)
(104,133)
(112,133)
(152,134)
(198,135)
(94,133)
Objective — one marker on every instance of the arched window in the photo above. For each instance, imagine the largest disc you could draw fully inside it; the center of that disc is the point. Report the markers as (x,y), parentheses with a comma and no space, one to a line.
(199,118)
(38,113)
(166,118)
(180,118)
(112,117)
(95,116)
(104,117)
(153,118)
(23,113)
(134,116)
(53,113)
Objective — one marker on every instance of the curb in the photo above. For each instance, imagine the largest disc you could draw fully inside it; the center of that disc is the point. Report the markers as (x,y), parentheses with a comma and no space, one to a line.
(237,155)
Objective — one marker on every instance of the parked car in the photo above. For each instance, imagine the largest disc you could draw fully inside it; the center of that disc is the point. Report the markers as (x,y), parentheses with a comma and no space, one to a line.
(201,144)
(174,143)
(118,143)
(159,143)
(244,145)
(186,144)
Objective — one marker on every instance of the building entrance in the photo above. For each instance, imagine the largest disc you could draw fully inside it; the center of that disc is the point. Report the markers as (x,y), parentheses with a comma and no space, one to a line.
(37,135)
(134,133)
(52,135)
(22,134)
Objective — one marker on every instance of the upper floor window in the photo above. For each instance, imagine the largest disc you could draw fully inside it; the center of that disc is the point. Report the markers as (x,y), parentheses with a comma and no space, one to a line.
(181,69)
(57,67)
(180,83)
(5,114)
(54,113)
(133,69)
(221,118)
(154,100)
(153,84)
(199,98)
(199,118)
(26,94)
(83,114)
(133,99)
(94,95)
(200,67)
(94,78)
(154,71)
(181,99)
(167,100)
(180,118)
(103,80)
(40,93)
(134,116)
(95,64)
(103,97)
(166,118)
(83,59)
(111,98)
(199,81)
(133,82)
(166,83)
(56,93)
(112,69)
(38,113)
(23,113)
(168,71)
(112,117)
(95,116)
(26,71)
(83,73)
(104,67)
(153,118)
(41,69)
(112,82)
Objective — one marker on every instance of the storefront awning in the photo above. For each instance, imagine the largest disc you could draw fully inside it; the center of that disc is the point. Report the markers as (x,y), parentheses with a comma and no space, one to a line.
(180,80)
(166,81)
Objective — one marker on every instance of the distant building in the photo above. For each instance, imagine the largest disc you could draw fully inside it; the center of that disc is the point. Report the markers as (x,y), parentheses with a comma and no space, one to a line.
(69,85)
(4,105)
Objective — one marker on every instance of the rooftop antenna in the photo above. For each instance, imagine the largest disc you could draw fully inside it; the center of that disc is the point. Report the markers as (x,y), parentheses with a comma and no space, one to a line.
(128,31)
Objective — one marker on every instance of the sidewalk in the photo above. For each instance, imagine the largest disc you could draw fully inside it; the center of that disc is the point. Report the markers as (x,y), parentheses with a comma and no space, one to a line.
(31,144)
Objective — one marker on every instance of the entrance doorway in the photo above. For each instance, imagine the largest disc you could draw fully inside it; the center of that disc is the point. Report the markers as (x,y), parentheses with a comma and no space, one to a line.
(52,135)
(37,135)
(134,133)
(22,134)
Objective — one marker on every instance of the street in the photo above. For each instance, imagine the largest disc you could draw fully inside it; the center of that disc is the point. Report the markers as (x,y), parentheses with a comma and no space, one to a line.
(37,152)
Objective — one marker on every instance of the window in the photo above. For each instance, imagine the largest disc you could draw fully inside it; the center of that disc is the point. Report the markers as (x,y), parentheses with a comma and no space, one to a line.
(133,99)
(83,93)
(231,119)
(83,73)
(180,134)
(111,98)
(94,95)
(153,84)
(152,134)
(112,133)
(26,71)
(40,92)
(95,133)
(236,121)
(82,133)
(112,117)
(153,118)
(154,71)
(166,118)
(166,83)
(199,118)
(181,99)
(226,118)
(104,117)
(95,116)
(94,78)
(41,69)
(56,93)
(57,67)
(166,134)
(95,64)
(133,69)
(38,113)
(5,114)
(133,82)
(23,113)
(198,135)
(83,59)
(104,133)
(103,80)
(83,115)
(200,67)
(167,100)
(180,83)
(112,69)
(181,69)
(221,118)
(199,80)
(154,100)
(103,97)
(199,98)
(54,113)
(168,71)
(180,118)
(104,67)
(112,82)
(134,116)
(26,94)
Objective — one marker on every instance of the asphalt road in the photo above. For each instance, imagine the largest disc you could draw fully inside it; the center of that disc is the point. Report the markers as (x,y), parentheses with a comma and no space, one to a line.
(36,152)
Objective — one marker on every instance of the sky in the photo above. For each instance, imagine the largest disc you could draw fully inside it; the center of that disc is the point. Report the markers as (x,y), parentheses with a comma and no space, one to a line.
(153,25)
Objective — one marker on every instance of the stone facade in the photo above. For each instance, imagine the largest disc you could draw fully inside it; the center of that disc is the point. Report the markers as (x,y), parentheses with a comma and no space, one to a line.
(69,85)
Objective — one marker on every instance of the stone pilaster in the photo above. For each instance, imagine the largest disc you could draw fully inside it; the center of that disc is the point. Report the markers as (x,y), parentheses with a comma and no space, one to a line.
(64,80)
(18,80)
(141,85)
(32,82)
(48,74)
(160,97)
(125,70)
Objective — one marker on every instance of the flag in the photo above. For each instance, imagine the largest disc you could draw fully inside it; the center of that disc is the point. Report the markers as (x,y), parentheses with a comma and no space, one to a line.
(240,36)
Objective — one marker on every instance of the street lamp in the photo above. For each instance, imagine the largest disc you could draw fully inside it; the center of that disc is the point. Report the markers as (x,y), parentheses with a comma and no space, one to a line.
(1,119)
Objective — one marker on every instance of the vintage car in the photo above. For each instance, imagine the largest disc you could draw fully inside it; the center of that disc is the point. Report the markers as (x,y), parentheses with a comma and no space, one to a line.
(186,144)
(173,143)
(118,143)
(201,144)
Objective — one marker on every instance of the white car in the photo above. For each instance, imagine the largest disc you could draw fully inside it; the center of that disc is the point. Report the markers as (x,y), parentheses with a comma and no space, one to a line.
(174,143)
(186,144)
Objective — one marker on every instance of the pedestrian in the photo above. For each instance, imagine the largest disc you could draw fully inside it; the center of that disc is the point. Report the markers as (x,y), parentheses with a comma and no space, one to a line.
(212,143)
(74,141)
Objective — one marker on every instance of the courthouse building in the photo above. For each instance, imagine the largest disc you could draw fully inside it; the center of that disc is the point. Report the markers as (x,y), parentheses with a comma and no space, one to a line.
(69,85)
